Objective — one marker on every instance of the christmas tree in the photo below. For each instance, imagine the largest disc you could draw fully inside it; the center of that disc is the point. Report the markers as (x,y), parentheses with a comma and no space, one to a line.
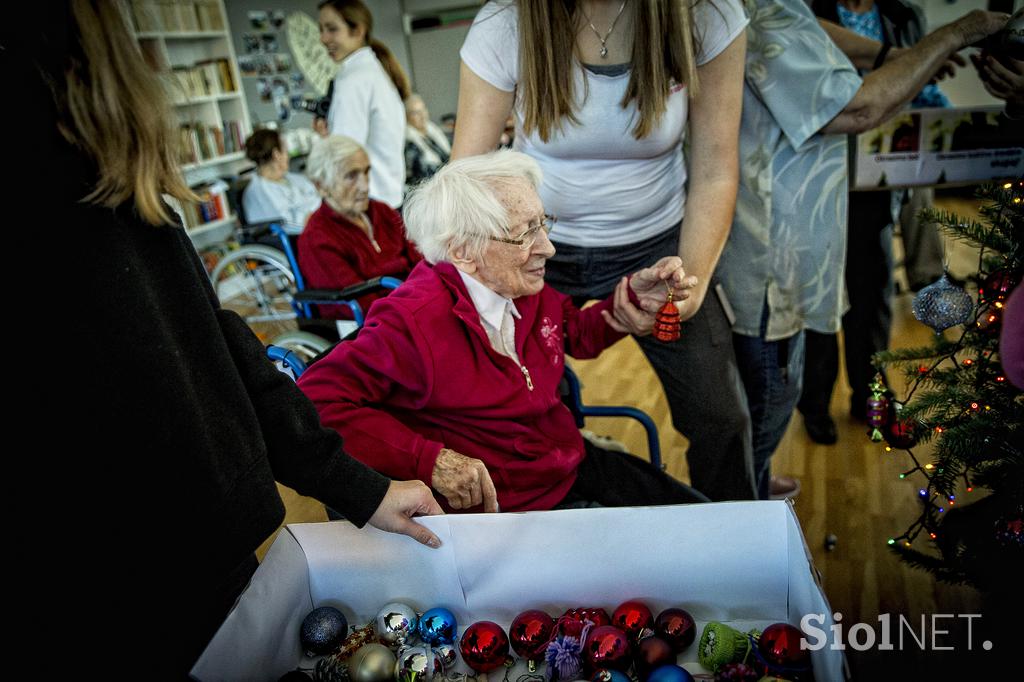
(957,400)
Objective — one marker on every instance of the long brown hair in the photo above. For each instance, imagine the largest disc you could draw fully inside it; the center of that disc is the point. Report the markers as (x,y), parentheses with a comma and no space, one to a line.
(356,14)
(663,52)
(113,108)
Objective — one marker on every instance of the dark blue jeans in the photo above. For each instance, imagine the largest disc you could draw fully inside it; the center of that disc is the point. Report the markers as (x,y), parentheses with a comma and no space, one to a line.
(698,372)
(772,376)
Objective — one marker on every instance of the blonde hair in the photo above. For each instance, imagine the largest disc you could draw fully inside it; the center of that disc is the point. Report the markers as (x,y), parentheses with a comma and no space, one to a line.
(663,54)
(459,205)
(356,14)
(113,108)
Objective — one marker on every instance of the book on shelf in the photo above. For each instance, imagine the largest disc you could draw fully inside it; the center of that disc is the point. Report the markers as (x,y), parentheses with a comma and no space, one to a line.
(205,78)
(174,16)
(201,142)
(212,205)
(209,15)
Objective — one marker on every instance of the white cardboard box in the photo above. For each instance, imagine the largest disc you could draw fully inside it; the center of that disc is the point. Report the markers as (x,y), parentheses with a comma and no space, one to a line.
(742,563)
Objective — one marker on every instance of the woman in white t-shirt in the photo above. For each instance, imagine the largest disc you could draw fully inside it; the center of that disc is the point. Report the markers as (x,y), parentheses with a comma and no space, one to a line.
(368,92)
(602,91)
(274,193)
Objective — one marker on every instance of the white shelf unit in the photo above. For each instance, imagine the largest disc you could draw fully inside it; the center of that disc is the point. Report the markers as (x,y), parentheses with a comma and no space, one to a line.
(206,94)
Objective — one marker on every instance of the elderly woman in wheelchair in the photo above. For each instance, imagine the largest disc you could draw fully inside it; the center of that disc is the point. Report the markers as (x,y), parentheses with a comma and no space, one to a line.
(350,238)
(274,193)
(454,378)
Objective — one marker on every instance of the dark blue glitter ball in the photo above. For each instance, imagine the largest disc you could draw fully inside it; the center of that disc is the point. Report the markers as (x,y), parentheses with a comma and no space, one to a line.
(323,630)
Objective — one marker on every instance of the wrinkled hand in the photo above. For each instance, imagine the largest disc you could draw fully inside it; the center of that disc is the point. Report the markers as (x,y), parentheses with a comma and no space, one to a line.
(651,286)
(1002,79)
(949,67)
(320,126)
(977,24)
(404,500)
(464,481)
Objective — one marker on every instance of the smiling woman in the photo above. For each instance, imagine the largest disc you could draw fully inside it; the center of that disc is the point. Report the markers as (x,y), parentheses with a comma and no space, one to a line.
(368,93)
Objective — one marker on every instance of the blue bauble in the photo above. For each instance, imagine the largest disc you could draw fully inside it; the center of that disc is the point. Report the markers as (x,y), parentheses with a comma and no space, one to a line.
(323,630)
(438,626)
(607,675)
(669,673)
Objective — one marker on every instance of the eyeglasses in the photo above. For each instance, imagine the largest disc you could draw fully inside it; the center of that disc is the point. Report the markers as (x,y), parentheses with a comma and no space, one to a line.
(529,237)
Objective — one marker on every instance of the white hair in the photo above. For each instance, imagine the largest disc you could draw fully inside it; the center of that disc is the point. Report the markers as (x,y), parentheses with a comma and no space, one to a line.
(459,207)
(327,155)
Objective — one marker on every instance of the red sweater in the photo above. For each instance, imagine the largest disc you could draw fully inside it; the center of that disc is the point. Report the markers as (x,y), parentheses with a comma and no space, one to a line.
(334,253)
(422,375)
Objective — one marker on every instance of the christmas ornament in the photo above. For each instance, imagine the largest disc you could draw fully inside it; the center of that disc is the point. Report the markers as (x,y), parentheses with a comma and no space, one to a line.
(446,652)
(564,656)
(877,409)
(330,669)
(666,322)
(572,622)
(736,672)
(395,624)
(417,663)
(676,626)
(669,673)
(606,675)
(322,630)
(355,641)
(899,433)
(652,652)
(779,644)
(631,617)
(437,626)
(721,644)
(372,663)
(530,633)
(997,287)
(526,671)
(1010,531)
(484,646)
(942,305)
(606,647)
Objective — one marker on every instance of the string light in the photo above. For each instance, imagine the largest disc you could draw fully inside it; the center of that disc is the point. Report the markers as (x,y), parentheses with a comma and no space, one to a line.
(968,362)
(929,466)
(891,541)
(932,535)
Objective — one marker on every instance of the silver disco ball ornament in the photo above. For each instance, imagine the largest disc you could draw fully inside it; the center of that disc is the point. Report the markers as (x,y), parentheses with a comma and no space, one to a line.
(396,624)
(942,305)
(418,664)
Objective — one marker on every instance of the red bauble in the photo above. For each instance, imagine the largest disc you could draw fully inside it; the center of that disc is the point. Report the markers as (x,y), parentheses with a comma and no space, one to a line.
(652,652)
(667,326)
(779,644)
(676,627)
(899,433)
(530,633)
(484,646)
(607,647)
(572,622)
(997,286)
(631,617)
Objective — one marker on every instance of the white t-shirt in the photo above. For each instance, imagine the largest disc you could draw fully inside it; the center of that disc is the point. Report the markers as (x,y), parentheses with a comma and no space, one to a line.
(367,107)
(291,200)
(606,187)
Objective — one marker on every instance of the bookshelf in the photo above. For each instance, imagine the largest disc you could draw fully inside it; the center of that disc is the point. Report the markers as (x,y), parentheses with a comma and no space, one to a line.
(189,44)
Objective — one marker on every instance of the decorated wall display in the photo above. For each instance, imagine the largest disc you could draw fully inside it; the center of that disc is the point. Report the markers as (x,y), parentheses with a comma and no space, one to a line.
(933,147)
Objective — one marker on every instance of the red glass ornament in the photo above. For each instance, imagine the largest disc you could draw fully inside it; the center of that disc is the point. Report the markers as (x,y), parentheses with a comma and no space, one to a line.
(779,644)
(572,622)
(484,646)
(666,322)
(530,633)
(607,647)
(652,652)
(676,626)
(899,433)
(631,617)
(997,286)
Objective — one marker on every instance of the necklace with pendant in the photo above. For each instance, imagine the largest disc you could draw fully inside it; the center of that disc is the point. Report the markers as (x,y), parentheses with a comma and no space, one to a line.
(604,40)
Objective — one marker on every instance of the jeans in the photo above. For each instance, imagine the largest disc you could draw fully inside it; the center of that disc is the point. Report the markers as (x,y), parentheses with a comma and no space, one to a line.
(698,372)
(772,374)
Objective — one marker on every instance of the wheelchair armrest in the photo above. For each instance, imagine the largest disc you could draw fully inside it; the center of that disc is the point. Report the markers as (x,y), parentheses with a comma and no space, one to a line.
(346,294)
(253,232)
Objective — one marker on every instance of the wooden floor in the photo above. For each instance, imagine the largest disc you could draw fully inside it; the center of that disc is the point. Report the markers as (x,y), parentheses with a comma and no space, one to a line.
(851,489)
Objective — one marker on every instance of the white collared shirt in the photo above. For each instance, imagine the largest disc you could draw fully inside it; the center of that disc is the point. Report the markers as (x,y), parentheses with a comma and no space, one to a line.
(492,309)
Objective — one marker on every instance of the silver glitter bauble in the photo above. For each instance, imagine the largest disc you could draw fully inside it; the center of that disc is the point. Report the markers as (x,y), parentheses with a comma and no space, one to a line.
(372,663)
(417,663)
(395,624)
(942,305)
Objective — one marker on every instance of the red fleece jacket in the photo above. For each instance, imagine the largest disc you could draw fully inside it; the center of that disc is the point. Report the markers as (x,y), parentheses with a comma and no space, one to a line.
(334,253)
(422,375)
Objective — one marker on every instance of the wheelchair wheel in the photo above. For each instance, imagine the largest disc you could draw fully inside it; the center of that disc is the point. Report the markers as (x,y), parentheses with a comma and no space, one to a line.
(307,346)
(257,283)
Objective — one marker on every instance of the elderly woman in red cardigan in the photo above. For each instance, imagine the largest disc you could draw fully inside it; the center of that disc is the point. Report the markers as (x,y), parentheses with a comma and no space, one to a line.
(350,238)
(454,378)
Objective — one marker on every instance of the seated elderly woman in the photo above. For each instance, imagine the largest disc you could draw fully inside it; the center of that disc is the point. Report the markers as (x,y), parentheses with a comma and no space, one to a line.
(350,238)
(274,193)
(426,146)
(454,378)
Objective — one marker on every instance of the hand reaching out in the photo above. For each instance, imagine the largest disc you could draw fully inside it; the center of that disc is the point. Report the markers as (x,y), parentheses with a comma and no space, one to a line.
(464,481)
(651,286)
